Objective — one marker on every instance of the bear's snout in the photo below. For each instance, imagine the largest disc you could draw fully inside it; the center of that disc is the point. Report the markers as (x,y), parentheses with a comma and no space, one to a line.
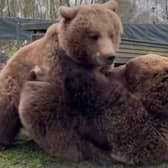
(105,59)
(109,58)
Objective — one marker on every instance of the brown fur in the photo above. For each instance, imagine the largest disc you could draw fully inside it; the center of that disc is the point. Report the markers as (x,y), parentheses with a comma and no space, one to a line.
(123,116)
(52,122)
(149,81)
(97,33)
(139,131)
(122,122)
(103,120)
(13,76)
(91,32)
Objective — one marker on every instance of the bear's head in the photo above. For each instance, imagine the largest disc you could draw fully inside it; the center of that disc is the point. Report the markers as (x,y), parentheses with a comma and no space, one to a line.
(91,34)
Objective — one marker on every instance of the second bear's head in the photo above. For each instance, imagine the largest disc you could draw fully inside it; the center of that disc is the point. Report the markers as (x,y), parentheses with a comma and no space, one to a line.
(91,33)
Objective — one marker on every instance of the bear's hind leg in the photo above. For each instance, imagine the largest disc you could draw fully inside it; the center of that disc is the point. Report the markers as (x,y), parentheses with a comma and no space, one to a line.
(9,123)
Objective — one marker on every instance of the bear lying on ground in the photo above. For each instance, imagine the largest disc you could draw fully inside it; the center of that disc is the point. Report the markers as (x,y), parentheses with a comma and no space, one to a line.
(102,120)
(121,121)
(91,32)
(54,124)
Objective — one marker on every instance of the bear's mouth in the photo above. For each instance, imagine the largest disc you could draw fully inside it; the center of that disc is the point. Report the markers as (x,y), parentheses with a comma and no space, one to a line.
(105,63)
(84,63)
(106,69)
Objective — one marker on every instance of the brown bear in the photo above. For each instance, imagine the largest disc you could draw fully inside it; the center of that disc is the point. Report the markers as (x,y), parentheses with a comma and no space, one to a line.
(118,120)
(54,124)
(91,32)
(146,78)
(92,116)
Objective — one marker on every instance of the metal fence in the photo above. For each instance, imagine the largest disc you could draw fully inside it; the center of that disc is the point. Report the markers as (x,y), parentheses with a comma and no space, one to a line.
(138,39)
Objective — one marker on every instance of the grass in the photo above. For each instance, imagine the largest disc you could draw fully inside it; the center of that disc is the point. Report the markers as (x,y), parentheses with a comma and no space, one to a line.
(11,51)
(26,154)
(29,155)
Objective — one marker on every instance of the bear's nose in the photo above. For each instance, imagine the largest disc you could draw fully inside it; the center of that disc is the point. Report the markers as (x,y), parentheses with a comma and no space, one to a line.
(109,58)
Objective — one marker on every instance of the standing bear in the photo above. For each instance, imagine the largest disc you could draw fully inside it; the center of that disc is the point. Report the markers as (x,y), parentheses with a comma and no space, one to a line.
(90,32)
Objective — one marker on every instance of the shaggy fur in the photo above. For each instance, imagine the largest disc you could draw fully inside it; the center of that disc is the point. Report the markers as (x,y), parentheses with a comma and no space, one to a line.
(91,32)
(149,81)
(131,133)
(98,115)
(53,122)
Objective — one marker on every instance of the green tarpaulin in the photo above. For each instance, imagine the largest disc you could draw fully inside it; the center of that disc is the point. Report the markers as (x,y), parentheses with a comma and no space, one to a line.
(157,33)
(10,29)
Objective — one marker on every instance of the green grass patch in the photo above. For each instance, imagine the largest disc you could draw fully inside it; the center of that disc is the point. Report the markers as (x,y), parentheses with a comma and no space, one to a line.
(28,155)
(11,51)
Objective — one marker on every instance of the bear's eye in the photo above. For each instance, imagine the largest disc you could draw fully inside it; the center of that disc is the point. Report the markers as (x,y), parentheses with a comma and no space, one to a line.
(94,37)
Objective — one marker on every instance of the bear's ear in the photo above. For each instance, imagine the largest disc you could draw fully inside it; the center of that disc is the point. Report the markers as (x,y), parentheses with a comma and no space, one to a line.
(113,5)
(68,13)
